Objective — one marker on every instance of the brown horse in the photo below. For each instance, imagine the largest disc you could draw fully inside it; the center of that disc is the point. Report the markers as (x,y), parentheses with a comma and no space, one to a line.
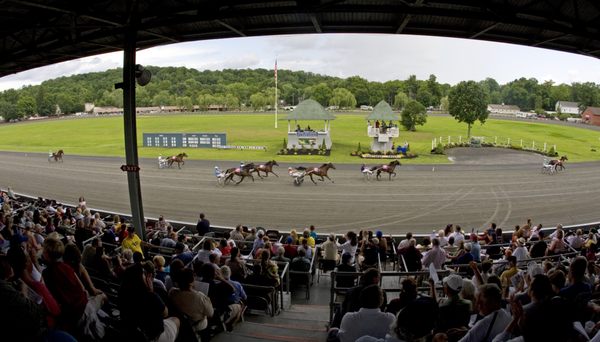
(320,171)
(57,157)
(266,168)
(389,168)
(242,172)
(177,159)
(559,164)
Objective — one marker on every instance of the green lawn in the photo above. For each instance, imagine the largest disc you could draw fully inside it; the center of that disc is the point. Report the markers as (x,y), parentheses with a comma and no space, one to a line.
(104,136)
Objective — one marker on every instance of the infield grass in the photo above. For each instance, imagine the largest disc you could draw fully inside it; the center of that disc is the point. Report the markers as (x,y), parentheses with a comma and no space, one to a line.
(103,136)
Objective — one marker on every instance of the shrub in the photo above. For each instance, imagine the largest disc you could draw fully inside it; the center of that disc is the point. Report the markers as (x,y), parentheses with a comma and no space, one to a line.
(439,149)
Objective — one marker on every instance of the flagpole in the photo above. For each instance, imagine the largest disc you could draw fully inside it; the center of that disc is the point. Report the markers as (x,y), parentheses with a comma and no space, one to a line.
(276,107)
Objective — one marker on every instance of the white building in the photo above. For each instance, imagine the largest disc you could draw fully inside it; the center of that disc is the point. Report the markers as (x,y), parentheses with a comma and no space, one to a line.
(566,107)
(503,109)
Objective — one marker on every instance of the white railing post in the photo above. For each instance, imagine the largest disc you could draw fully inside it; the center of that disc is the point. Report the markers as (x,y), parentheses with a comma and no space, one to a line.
(533,145)
(495,140)
(460,139)
(508,143)
(521,142)
(448,140)
(544,147)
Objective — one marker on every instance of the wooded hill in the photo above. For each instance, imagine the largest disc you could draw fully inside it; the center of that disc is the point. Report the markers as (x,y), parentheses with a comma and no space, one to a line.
(254,89)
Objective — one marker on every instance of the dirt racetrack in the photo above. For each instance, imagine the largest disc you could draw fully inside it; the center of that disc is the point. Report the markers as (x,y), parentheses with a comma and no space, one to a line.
(483,186)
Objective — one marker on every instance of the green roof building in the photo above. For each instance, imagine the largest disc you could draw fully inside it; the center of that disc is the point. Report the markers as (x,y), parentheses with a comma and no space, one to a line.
(307,137)
(382,126)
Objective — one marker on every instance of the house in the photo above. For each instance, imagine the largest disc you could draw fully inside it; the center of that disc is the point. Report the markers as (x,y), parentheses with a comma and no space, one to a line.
(591,116)
(566,107)
(503,109)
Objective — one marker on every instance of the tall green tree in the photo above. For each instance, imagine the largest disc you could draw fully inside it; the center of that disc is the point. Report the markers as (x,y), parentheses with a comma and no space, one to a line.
(400,100)
(414,114)
(342,98)
(468,103)
(412,86)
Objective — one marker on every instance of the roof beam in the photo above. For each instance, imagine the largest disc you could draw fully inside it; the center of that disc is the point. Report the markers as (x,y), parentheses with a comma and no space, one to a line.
(407,17)
(491,27)
(550,40)
(315,22)
(231,28)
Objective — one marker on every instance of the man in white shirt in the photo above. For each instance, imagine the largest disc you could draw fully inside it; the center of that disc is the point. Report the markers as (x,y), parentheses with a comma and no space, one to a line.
(521,252)
(369,320)
(435,256)
(495,320)
(457,235)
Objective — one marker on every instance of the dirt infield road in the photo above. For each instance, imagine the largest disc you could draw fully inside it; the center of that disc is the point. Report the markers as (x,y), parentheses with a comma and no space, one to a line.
(420,199)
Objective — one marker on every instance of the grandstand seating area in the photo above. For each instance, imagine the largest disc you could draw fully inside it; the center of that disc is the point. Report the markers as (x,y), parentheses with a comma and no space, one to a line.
(87,275)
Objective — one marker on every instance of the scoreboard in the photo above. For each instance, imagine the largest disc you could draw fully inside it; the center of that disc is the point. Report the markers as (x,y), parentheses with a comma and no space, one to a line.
(193,140)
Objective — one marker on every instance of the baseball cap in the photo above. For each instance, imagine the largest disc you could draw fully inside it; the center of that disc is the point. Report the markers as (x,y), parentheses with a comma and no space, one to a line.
(379,233)
(454,282)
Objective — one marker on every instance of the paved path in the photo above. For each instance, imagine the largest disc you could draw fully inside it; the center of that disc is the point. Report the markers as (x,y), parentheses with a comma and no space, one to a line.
(419,199)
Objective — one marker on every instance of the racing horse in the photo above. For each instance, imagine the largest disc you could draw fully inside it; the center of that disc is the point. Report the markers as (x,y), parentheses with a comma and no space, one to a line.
(242,172)
(389,168)
(320,171)
(266,168)
(177,159)
(559,163)
(57,157)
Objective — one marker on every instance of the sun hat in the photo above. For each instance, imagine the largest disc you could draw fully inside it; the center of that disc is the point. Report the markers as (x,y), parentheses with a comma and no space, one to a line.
(453,281)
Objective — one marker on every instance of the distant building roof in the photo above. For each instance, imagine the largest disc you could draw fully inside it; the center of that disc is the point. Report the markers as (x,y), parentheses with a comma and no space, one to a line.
(564,104)
(504,107)
(592,110)
(310,110)
(383,111)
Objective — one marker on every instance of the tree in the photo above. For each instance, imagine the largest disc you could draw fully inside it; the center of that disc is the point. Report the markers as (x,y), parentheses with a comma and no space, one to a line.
(444,104)
(185,103)
(258,101)
(400,100)
(414,114)
(321,93)
(26,106)
(412,86)
(468,103)
(342,98)
(204,101)
(8,110)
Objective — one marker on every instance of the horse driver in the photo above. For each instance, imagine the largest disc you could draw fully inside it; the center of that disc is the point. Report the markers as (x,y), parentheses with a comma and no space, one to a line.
(218,172)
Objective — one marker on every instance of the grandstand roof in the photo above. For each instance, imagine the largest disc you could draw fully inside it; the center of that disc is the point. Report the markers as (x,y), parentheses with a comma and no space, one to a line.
(36,33)
(310,110)
(383,111)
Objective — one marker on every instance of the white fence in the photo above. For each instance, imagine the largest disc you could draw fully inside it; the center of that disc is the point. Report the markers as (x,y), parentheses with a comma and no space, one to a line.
(525,144)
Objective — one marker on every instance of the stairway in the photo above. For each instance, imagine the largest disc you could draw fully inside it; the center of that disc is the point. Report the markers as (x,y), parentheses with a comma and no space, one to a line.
(298,323)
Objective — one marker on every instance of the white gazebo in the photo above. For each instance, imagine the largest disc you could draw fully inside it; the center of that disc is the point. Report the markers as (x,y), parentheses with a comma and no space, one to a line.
(304,137)
(382,126)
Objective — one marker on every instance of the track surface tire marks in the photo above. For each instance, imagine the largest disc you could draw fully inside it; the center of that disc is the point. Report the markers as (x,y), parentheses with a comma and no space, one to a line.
(418,200)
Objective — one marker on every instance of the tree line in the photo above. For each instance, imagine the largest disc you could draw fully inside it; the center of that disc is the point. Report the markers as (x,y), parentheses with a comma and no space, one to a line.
(254,90)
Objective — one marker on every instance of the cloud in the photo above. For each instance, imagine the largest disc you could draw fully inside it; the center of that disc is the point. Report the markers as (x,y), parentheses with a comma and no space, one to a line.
(375,57)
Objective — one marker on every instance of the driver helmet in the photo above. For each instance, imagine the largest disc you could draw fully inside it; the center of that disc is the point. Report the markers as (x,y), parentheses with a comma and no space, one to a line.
(216,167)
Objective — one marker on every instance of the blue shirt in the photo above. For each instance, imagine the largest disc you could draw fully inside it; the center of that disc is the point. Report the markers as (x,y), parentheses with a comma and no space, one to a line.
(476,251)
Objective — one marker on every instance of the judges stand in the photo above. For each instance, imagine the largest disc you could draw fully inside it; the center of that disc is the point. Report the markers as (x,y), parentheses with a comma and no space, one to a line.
(382,127)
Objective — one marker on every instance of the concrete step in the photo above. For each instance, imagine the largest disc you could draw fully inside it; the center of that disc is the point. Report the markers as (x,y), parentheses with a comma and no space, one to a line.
(299,323)
(291,331)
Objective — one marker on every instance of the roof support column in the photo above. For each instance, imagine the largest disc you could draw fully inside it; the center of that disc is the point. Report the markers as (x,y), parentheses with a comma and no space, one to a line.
(130,126)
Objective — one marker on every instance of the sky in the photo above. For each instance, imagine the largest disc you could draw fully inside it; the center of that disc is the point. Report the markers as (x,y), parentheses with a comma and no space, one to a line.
(374,57)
